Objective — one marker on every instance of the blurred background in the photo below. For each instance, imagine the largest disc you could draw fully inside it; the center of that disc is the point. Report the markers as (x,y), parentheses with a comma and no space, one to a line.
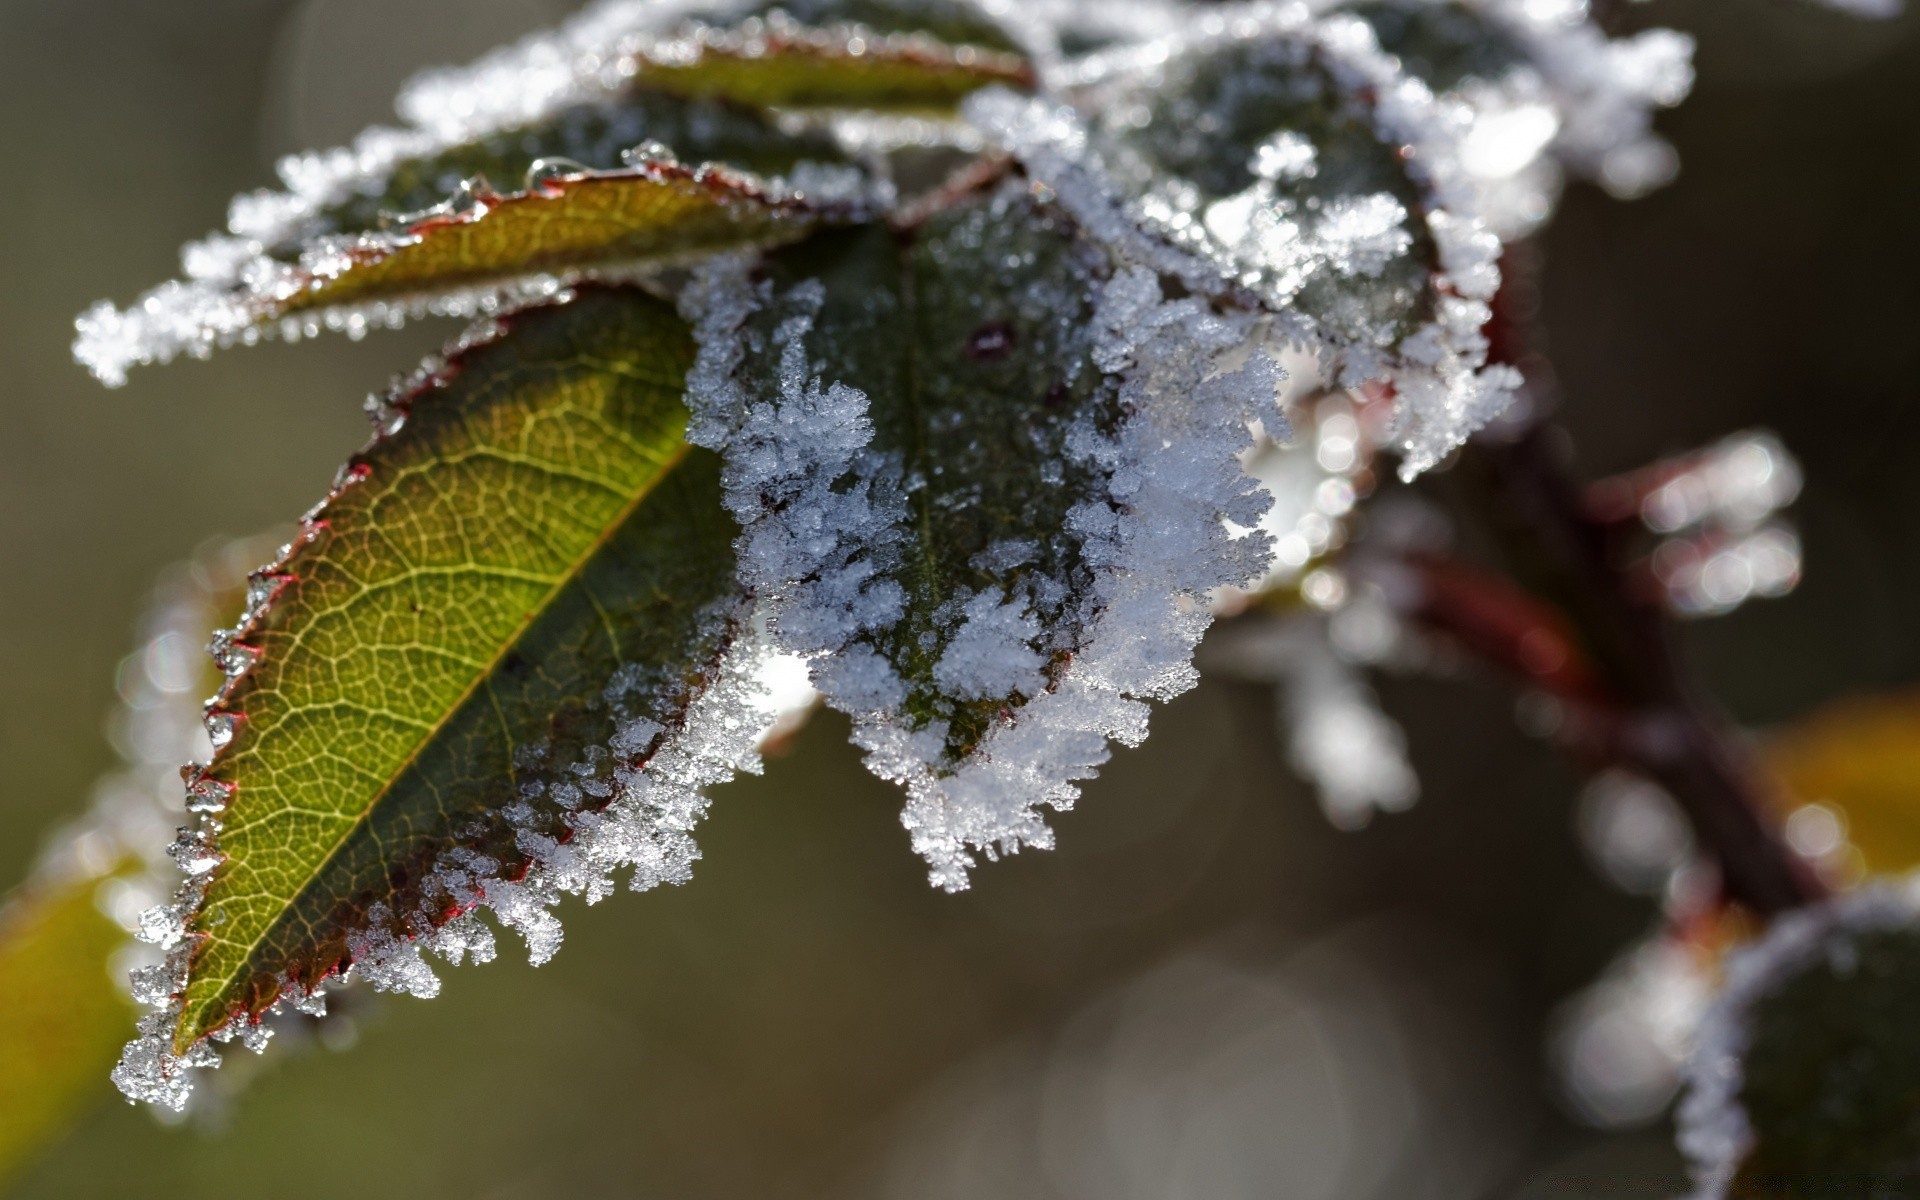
(1207,991)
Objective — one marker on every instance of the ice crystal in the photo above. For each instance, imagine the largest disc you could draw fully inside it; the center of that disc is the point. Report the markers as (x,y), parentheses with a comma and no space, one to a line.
(1723,542)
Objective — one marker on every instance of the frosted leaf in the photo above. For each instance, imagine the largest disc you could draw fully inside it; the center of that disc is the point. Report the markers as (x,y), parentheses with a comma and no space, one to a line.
(951,22)
(984,487)
(1545,87)
(1370,252)
(1801,1077)
(480,254)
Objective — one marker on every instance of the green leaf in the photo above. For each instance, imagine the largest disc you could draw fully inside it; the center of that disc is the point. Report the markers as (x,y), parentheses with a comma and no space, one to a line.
(62,1018)
(593,136)
(503,610)
(468,258)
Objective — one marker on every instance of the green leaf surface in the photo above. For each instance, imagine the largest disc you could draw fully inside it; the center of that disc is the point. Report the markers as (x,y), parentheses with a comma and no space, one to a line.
(971,336)
(62,1018)
(1832,1075)
(450,622)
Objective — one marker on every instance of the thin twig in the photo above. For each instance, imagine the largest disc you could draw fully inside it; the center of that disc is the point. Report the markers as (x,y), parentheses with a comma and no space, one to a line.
(1670,729)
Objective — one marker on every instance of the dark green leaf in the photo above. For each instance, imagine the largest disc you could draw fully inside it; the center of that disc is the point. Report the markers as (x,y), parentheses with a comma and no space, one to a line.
(1832,1075)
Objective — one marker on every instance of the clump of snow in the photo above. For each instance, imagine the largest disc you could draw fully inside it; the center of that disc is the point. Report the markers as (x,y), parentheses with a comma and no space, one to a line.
(1714,1131)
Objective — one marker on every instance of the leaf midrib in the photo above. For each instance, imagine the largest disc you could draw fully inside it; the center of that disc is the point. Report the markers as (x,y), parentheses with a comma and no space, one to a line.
(507,646)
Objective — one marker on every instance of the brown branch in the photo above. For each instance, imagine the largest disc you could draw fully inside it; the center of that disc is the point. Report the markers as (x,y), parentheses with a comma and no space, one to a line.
(1519,480)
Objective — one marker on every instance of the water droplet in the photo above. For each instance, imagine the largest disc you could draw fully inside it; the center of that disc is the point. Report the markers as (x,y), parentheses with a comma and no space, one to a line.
(648,153)
(545,171)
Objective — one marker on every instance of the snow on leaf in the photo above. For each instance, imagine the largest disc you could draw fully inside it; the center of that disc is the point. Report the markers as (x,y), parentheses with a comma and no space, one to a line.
(498,664)
(1288,163)
(984,481)
(1801,1083)
(476,254)
(1546,87)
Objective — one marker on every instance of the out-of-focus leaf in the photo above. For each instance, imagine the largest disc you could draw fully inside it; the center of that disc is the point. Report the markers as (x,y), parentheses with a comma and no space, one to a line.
(593,136)
(523,568)
(658,212)
(62,1018)
(1861,758)
(1832,1075)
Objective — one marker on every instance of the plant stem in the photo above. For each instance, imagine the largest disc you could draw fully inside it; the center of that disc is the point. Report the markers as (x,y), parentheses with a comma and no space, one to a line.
(1669,728)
